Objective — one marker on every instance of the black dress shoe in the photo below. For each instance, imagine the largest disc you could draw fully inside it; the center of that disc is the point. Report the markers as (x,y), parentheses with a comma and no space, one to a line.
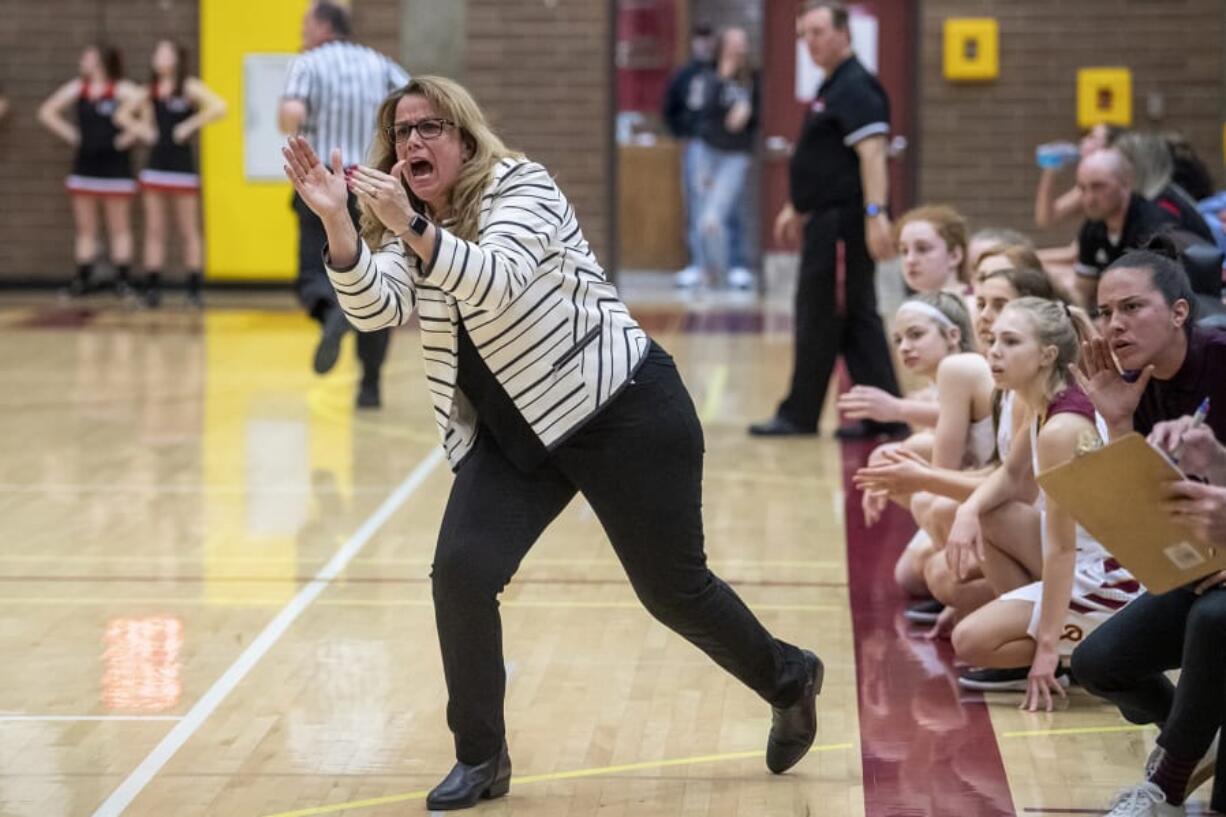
(794,728)
(869,429)
(329,349)
(465,785)
(780,427)
(368,396)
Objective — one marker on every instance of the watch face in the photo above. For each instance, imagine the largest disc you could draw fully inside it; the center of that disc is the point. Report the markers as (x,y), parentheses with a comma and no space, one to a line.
(418,225)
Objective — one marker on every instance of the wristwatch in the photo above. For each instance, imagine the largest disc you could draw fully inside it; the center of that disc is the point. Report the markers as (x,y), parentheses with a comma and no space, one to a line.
(418,224)
(873,210)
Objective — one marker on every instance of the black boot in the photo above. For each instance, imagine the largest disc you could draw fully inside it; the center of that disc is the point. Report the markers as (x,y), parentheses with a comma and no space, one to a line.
(794,728)
(368,394)
(195,287)
(465,785)
(122,288)
(80,285)
(153,289)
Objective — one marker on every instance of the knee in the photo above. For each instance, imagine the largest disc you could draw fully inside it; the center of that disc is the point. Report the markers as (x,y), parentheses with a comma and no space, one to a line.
(671,603)
(1207,620)
(921,508)
(939,579)
(909,573)
(1090,664)
(970,642)
(457,572)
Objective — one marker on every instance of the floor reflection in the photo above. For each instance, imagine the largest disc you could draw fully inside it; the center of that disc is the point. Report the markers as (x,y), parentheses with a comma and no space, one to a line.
(141,664)
(928,750)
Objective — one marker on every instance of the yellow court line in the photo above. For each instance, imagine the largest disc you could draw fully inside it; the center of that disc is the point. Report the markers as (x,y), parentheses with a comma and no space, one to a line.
(546,778)
(69,601)
(1088,730)
(715,393)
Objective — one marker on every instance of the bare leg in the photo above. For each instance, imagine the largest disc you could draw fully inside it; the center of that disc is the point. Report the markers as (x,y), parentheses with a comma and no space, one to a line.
(187,216)
(118,213)
(1012,546)
(155,231)
(964,596)
(994,636)
(909,569)
(85,223)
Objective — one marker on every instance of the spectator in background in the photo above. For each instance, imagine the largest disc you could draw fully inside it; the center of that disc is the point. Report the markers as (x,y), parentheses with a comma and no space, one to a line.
(331,96)
(167,114)
(1050,209)
(1117,218)
(992,238)
(102,169)
(683,105)
(837,195)
(1153,167)
(726,130)
(1190,171)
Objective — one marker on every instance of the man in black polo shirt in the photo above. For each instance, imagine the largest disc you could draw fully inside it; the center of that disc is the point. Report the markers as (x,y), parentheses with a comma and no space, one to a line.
(838,186)
(1117,219)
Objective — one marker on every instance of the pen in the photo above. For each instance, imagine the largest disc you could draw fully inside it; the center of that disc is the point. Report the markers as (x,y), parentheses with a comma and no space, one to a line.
(1198,419)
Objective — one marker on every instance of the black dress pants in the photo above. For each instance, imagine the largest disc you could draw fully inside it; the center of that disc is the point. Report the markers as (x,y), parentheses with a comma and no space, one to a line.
(638,463)
(1125,658)
(314,288)
(821,332)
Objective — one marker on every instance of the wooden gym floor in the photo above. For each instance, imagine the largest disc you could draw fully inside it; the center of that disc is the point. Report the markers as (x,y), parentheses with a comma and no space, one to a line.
(214,600)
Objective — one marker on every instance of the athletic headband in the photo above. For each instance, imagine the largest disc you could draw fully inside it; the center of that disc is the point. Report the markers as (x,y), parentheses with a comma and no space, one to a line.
(930,311)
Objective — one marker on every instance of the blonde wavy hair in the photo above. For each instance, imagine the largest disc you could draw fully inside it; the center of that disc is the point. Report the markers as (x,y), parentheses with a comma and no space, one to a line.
(450,101)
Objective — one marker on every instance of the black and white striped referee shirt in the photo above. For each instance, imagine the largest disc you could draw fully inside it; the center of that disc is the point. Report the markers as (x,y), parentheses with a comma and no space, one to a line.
(342,84)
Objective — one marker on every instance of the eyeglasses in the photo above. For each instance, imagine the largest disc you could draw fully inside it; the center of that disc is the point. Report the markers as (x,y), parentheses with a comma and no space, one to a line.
(427,129)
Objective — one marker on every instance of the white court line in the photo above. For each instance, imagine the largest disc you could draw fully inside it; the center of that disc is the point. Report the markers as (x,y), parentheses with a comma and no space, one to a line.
(76,718)
(123,796)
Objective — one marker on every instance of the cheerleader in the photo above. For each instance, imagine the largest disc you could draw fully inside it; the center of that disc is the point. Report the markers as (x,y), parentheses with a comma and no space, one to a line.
(166,115)
(102,169)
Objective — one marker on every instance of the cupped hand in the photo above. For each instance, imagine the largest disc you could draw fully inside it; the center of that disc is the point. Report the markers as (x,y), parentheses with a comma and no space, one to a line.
(323,190)
(1113,396)
(384,195)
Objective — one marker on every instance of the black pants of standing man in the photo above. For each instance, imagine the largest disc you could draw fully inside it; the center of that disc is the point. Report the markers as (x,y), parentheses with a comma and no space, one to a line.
(822,333)
(315,293)
(1125,658)
(638,463)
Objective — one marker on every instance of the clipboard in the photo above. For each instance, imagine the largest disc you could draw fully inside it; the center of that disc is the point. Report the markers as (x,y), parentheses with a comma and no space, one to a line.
(1115,493)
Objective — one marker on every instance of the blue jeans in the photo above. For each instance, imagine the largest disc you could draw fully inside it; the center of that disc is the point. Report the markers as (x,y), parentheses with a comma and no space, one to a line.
(692,200)
(721,177)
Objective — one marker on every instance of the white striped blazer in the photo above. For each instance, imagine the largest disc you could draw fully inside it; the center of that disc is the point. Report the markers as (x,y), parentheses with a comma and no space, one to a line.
(532,297)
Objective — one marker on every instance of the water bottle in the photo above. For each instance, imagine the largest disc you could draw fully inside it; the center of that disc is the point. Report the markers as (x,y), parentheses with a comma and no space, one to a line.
(1052,155)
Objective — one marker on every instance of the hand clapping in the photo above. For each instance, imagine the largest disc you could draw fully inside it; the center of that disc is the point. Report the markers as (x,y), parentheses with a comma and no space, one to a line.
(384,194)
(322,190)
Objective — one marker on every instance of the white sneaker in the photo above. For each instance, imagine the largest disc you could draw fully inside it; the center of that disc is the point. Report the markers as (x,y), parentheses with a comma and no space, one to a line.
(1203,771)
(689,278)
(740,278)
(1144,800)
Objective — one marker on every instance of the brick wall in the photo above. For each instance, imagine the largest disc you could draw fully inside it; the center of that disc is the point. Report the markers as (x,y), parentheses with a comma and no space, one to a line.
(977,141)
(40,43)
(542,72)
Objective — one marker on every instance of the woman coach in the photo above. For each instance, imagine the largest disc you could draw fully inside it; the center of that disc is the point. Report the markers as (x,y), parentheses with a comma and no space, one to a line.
(543,385)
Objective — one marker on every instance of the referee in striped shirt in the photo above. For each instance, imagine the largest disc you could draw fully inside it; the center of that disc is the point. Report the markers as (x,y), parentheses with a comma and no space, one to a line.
(331,96)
